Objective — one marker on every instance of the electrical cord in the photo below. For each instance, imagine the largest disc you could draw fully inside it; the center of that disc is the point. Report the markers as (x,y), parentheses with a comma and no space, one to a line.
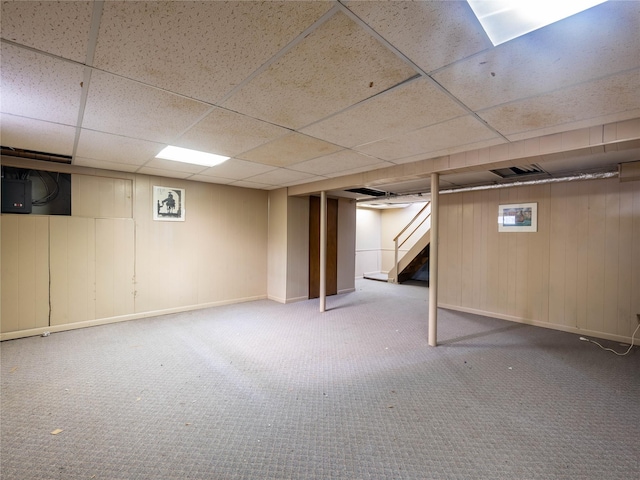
(584,339)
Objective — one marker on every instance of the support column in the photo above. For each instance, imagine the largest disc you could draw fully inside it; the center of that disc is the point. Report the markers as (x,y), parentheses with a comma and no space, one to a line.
(323,251)
(433,260)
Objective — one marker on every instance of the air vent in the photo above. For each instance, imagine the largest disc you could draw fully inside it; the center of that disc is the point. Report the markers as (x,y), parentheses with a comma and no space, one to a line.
(368,191)
(513,172)
(47,157)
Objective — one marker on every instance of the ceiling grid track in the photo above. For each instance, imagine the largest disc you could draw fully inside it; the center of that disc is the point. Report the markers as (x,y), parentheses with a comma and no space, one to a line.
(413,65)
(96,17)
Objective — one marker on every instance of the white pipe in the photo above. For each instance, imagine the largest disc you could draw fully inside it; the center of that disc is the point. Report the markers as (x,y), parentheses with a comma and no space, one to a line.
(323,251)
(433,261)
(424,196)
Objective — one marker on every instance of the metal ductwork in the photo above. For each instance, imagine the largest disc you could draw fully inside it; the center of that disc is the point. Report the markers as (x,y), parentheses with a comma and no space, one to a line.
(424,196)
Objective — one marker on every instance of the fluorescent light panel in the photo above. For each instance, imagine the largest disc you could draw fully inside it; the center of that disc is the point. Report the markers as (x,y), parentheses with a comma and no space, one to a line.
(186,155)
(504,20)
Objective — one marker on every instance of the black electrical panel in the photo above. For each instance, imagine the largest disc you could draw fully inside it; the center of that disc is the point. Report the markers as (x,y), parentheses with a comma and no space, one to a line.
(16,195)
(37,192)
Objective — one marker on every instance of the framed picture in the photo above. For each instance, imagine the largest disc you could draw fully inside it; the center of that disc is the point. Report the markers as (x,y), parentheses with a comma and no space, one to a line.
(168,204)
(518,217)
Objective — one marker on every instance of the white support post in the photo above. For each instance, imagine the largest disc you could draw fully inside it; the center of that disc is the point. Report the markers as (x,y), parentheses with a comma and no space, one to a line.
(323,251)
(433,261)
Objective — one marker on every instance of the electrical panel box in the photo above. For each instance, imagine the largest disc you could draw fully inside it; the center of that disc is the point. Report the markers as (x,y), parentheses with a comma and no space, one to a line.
(16,196)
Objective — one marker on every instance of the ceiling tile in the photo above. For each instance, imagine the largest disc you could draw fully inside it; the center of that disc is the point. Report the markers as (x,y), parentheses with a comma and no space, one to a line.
(431,34)
(439,156)
(59,28)
(594,100)
(565,53)
(123,107)
(280,177)
(336,163)
(93,163)
(116,148)
(469,178)
(290,149)
(408,107)
(38,86)
(208,179)
(200,49)
(364,168)
(335,66)
(237,169)
(459,131)
(163,173)
(28,134)
(175,166)
(255,185)
(228,133)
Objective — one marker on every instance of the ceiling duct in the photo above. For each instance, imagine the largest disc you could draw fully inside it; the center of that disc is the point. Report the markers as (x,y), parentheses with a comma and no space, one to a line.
(369,192)
(33,155)
(513,172)
(426,196)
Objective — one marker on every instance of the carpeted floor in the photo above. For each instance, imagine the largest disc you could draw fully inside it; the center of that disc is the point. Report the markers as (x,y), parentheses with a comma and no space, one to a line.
(269,391)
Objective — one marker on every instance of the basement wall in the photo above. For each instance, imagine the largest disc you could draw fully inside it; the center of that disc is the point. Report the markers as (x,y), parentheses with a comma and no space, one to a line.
(110,261)
(580,272)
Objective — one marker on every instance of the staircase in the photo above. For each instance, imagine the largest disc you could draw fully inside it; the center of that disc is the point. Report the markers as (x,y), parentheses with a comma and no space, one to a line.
(405,266)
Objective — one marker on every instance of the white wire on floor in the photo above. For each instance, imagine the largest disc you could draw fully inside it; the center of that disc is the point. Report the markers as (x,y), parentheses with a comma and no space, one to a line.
(611,350)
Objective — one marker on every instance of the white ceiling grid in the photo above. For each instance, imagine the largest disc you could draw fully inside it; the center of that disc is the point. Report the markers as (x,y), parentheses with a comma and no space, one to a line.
(298,91)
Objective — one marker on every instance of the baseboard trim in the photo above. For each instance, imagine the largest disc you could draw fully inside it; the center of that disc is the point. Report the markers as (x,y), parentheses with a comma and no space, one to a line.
(121,318)
(536,323)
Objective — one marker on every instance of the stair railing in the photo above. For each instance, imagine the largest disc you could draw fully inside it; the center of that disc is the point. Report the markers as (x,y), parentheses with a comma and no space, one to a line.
(395,240)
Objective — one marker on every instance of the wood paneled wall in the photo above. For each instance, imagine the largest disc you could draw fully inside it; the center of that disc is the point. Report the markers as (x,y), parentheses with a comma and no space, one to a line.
(25,272)
(579,272)
(111,261)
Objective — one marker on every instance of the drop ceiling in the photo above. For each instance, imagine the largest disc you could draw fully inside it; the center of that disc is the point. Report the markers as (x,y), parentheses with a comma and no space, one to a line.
(301,92)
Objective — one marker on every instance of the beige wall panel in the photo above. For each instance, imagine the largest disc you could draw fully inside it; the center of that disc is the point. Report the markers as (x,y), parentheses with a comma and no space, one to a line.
(209,242)
(449,252)
(557,254)
(346,244)
(467,242)
(596,256)
(611,256)
(114,267)
(494,255)
(298,248)
(572,216)
(277,245)
(625,316)
(634,255)
(25,272)
(580,194)
(481,258)
(72,263)
(219,253)
(539,255)
(101,197)
(580,270)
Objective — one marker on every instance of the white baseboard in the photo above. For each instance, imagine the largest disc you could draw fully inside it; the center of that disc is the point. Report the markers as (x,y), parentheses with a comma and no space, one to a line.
(121,318)
(537,323)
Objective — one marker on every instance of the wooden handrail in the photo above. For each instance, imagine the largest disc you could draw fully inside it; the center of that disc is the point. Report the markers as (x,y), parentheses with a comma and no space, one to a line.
(412,220)
(395,240)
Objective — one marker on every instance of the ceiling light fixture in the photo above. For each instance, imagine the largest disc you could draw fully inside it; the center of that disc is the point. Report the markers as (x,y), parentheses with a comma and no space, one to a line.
(186,155)
(504,20)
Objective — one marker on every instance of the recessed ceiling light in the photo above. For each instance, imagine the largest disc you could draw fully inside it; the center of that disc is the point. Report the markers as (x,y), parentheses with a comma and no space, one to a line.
(504,20)
(186,155)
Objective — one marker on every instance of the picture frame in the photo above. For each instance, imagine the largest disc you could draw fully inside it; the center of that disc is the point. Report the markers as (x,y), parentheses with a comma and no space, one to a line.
(168,204)
(518,217)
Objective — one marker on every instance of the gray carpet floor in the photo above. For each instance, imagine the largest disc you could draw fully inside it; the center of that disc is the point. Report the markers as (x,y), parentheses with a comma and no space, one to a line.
(268,391)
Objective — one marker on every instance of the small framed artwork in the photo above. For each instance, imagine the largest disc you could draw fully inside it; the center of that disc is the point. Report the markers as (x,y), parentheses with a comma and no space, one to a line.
(168,204)
(518,217)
